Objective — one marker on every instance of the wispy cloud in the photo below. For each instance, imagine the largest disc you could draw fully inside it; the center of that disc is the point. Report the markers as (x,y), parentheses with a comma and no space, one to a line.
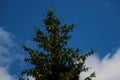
(4,75)
(6,44)
(107,68)
(31,78)
(6,38)
(8,48)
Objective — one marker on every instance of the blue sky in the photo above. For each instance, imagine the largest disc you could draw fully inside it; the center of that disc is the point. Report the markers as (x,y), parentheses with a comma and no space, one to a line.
(97,27)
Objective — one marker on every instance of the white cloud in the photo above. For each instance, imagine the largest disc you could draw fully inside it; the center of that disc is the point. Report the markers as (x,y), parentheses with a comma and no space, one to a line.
(5,38)
(4,75)
(5,46)
(7,50)
(31,78)
(106,69)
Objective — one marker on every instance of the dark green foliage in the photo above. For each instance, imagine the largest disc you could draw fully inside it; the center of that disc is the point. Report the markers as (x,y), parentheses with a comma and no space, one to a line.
(56,62)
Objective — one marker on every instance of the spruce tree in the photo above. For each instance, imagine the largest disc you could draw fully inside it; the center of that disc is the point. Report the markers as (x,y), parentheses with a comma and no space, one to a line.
(55,60)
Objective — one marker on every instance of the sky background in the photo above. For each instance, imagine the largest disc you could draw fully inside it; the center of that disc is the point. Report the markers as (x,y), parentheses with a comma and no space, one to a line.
(97,27)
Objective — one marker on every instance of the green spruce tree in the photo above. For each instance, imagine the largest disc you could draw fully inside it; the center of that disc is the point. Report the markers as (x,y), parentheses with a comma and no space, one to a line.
(54,60)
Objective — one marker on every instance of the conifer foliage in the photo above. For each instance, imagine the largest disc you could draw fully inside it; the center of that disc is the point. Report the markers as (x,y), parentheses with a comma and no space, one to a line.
(55,60)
